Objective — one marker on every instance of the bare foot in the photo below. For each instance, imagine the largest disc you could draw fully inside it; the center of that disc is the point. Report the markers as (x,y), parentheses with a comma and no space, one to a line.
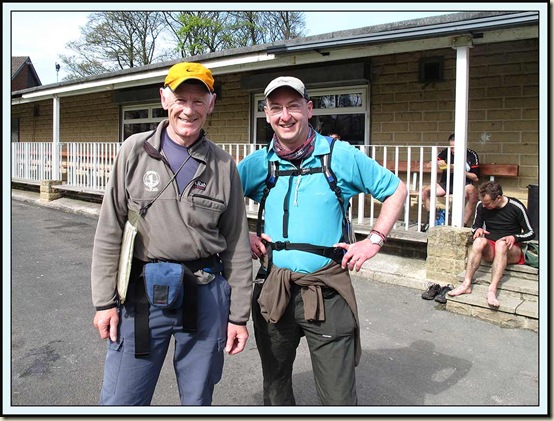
(462,289)
(491,299)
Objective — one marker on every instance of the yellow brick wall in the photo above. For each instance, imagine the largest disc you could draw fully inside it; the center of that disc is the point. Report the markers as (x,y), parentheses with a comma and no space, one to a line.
(86,118)
(503,108)
(503,124)
(229,121)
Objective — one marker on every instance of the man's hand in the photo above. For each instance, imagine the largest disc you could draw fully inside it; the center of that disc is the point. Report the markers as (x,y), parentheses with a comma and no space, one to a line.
(257,246)
(480,232)
(510,241)
(106,322)
(357,253)
(236,338)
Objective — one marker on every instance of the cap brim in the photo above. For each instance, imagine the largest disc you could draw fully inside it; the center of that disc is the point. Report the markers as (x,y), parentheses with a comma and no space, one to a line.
(178,82)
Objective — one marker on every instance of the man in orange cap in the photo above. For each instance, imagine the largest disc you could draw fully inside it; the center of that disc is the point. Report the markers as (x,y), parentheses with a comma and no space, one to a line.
(191,270)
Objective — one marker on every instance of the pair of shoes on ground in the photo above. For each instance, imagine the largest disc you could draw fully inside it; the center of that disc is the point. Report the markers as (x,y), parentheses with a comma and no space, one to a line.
(437,292)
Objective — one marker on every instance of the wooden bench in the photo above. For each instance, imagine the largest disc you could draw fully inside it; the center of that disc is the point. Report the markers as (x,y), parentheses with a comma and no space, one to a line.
(501,170)
(487,170)
(416,170)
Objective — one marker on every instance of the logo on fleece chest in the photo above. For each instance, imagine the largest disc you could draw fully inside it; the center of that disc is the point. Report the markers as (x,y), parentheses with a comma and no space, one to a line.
(199,185)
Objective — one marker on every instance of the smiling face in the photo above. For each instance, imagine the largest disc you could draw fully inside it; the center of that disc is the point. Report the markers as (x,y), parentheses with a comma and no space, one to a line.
(288,113)
(187,109)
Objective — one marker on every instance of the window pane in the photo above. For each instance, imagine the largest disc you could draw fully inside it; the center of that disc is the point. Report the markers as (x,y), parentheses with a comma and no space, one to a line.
(159,113)
(129,129)
(324,101)
(264,132)
(337,101)
(341,110)
(349,127)
(135,114)
(350,100)
(15,129)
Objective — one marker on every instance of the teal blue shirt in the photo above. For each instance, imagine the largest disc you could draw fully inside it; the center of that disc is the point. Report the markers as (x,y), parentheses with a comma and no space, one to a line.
(315,216)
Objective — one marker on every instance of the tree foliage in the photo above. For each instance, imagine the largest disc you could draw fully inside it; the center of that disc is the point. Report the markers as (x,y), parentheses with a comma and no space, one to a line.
(119,40)
(114,41)
(201,32)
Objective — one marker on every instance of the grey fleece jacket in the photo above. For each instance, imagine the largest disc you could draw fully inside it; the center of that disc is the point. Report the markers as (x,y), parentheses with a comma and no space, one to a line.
(209,217)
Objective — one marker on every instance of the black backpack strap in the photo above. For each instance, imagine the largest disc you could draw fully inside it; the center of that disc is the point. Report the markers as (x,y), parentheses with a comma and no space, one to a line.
(270,181)
(332,180)
(142,312)
(334,253)
(273,173)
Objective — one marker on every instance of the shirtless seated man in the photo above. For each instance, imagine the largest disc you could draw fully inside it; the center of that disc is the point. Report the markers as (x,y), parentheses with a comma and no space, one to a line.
(507,225)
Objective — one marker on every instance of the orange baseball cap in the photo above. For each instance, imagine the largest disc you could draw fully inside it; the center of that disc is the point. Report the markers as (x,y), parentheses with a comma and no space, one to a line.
(180,72)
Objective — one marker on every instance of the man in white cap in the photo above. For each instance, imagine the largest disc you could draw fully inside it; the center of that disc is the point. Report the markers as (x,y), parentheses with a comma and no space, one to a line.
(191,274)
(306,247)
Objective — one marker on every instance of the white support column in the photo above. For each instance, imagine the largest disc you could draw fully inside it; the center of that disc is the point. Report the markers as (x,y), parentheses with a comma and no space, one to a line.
(56,139)
(462,45)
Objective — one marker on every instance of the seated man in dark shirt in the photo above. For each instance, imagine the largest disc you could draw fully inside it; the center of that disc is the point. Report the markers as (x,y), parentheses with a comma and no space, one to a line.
(472,176)
(501,224)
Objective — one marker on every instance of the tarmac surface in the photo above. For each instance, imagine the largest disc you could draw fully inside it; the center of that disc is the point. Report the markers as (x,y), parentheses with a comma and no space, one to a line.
(417,358)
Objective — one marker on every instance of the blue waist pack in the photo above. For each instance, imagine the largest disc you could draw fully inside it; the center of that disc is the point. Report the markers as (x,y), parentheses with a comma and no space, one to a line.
(163,282)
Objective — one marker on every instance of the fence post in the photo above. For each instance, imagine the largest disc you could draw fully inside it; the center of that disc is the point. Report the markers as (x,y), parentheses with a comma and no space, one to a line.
(447,251)
(48,192)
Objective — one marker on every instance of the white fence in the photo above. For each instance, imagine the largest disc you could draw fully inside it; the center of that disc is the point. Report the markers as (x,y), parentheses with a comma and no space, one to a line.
(87,166)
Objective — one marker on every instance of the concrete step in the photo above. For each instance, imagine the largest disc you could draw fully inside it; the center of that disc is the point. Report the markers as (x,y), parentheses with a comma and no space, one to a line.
(511,284)
(517,293)
(512,312)
(509,301)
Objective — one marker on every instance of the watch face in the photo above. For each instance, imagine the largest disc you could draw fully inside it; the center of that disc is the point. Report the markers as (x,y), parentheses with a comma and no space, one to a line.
(376,239)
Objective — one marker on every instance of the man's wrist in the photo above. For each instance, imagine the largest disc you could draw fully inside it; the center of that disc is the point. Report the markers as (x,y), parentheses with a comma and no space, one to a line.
(377,237)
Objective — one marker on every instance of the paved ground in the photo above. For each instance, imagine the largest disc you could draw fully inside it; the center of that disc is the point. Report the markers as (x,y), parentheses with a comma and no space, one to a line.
(417,358)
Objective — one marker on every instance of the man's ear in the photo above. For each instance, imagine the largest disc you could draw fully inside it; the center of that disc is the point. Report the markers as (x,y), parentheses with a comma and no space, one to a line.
(212,103)
(163,99)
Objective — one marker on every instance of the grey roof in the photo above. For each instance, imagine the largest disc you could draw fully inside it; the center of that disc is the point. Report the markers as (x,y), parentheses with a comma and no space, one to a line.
(429,27)
(442,25)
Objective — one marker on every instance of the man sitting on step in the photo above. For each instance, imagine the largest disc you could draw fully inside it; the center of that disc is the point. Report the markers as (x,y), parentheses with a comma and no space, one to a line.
(501,223)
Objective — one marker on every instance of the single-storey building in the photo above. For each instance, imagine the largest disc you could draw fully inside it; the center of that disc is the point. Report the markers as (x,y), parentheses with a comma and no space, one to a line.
(409,83)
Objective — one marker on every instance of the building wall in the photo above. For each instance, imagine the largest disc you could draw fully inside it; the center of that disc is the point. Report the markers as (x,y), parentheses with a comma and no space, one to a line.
(24,79)
(229,123)
(85,118)
(503,108)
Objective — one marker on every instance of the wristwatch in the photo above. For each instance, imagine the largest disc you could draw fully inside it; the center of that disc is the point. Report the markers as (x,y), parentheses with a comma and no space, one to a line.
(376,238)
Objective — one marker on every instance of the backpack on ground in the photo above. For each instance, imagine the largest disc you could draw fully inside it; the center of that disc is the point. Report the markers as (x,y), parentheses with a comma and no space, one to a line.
(531,254)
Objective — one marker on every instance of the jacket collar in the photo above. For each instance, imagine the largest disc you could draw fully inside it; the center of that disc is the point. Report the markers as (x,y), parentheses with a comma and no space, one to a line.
(153,142)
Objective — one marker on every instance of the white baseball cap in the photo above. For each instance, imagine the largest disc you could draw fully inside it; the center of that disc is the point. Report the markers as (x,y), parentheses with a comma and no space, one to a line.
(289,81)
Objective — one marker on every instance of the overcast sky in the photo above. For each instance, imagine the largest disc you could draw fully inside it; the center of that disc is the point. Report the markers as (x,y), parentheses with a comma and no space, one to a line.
(41,31)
